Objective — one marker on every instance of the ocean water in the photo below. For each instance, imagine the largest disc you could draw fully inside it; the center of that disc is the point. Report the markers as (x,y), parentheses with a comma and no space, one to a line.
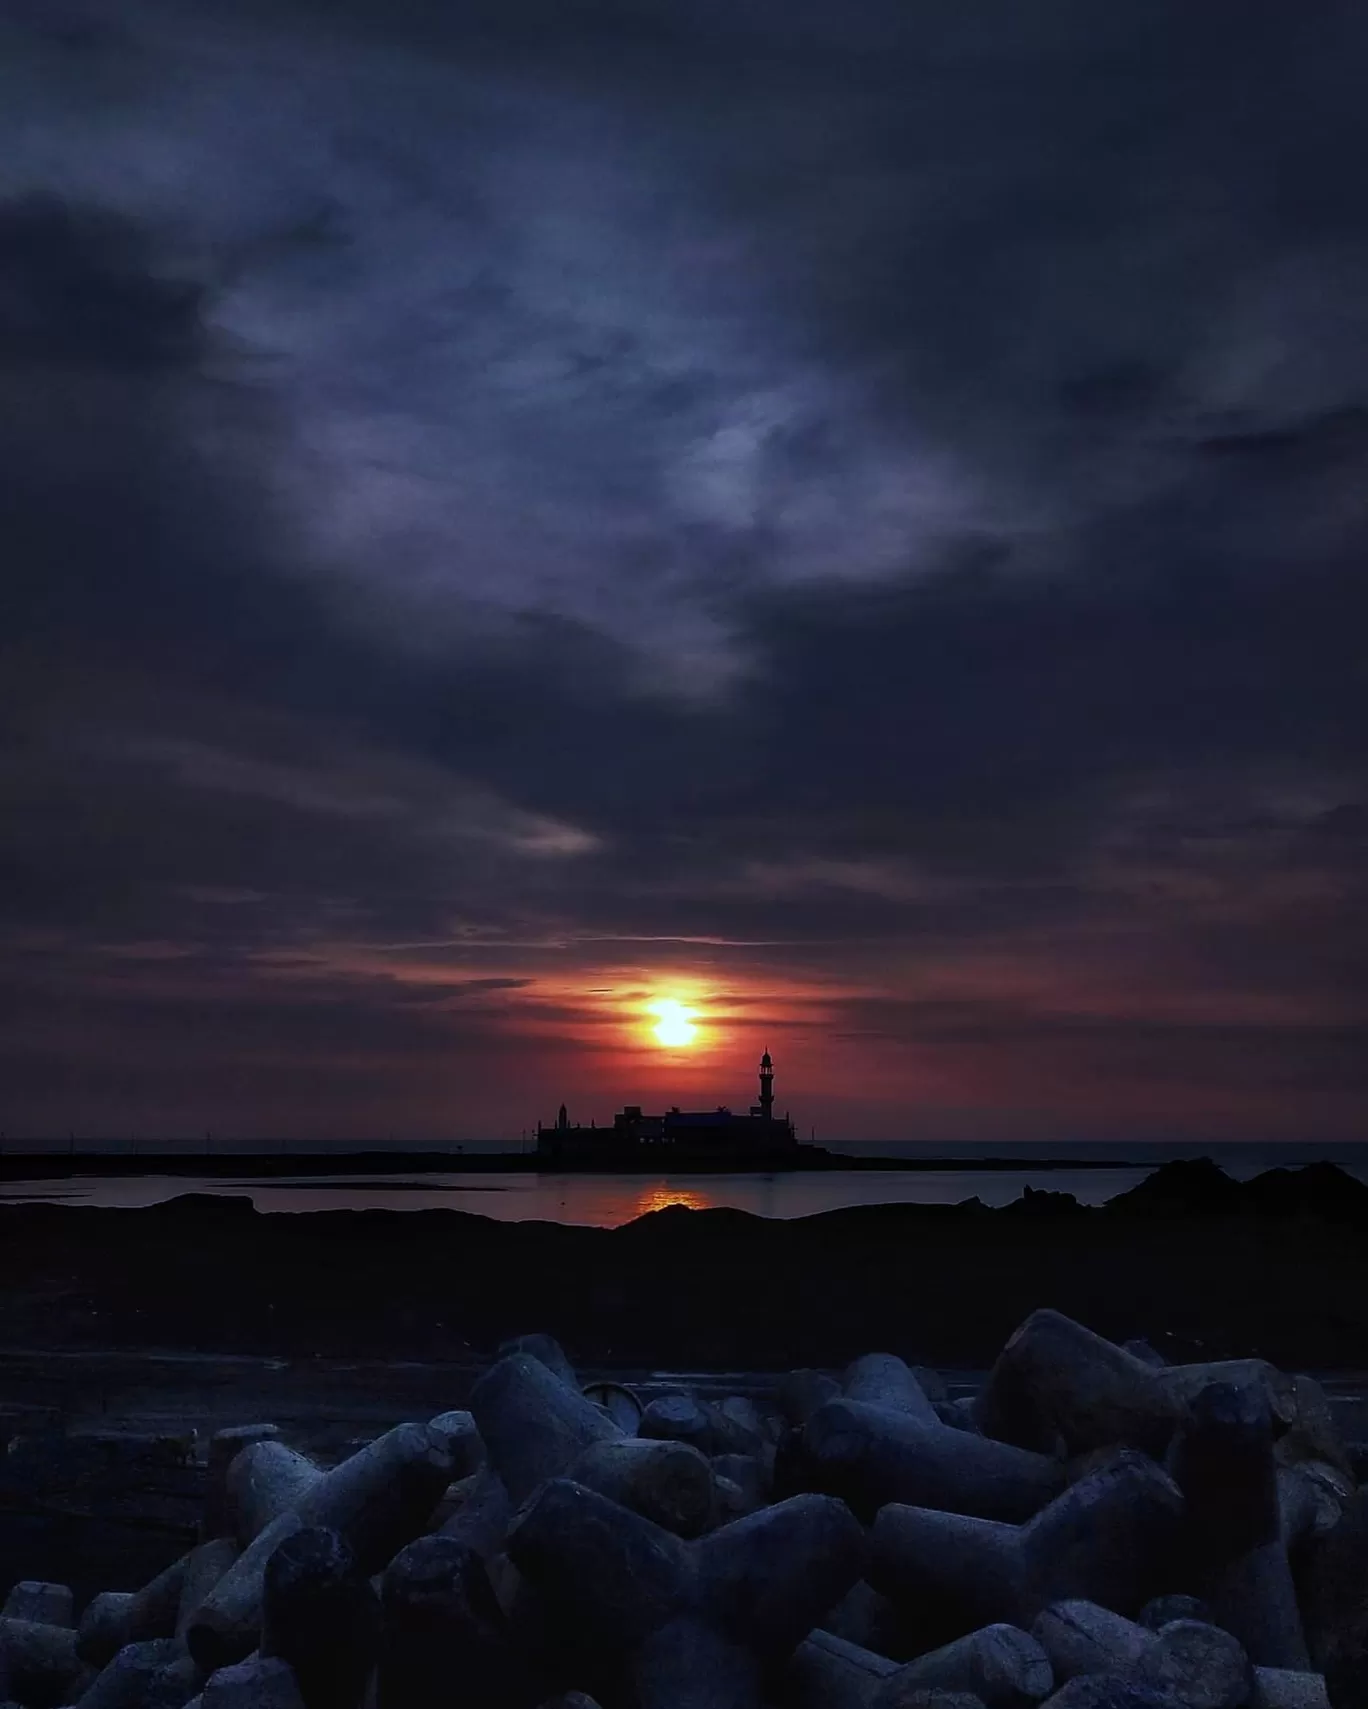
(607,1201)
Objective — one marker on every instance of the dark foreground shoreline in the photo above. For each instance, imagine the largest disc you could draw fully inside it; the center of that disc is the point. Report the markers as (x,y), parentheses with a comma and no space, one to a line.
(1202,1265)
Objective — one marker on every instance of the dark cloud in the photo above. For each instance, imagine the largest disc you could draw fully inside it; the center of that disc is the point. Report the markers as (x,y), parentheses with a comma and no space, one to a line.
(860,509)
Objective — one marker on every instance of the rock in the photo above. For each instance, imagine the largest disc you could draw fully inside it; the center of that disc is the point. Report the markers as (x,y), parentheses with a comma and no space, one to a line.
(224,1448)
(1004,1667)
(442,1623)
(870,1456)
(1054,1378)
(882,1379)
(1082,1637)
(204,1567)
(688,1664)
(609,1573)
(1111,1538)
(952,1572)
(767,1579)
(533,1425)
(38,1662)
(1157,1614)
(1222,1460)
(1199,1664)
(46,1604)
(265,1480)
(319,1613)
(669,1483)
(462,1437)
(259,1682)
(1254,1599)
(547,1351)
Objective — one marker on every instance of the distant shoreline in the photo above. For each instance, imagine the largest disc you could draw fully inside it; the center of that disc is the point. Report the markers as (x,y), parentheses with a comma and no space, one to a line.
(245,1165)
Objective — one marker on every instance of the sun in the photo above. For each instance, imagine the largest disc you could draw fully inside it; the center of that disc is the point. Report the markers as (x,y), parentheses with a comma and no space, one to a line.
(674,1027)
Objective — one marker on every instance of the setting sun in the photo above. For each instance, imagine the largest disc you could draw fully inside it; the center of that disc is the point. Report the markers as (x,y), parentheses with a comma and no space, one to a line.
(674,1028)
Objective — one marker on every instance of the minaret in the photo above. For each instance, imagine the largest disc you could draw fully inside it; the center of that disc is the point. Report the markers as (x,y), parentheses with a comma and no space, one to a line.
(766,1088)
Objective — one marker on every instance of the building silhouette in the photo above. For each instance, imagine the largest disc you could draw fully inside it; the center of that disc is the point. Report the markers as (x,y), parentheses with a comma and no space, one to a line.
(718,1134)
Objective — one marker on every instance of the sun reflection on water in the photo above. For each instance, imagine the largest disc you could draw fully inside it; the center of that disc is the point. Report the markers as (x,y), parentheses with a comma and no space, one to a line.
(662,1195)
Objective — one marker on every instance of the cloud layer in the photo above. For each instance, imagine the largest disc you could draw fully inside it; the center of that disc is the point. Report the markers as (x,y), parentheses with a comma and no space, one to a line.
(856,516)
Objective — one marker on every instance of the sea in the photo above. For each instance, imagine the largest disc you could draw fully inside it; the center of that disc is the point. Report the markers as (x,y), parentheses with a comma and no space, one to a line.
(609,1200)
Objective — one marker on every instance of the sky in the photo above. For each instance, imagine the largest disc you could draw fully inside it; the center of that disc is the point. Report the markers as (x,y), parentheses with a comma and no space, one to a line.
(850,518)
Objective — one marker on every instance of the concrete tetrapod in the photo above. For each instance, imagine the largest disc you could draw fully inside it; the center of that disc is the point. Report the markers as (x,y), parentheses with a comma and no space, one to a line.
(882,1379)
(547,1351)
(464,1442)
(265,1480)
(481,1515)
(1253,1597)
(767,1579)
(153,1674)
(952,1572)
(1201,1665)
(259,1682)
(1110,1691)
(1112,1538)
(116,1618)
(1054,1378)
(669,1483)
(608,1572)
(1004,1667)
(226,1627)
(1157,1614)
(46,1604)
(224,1448)
(869,1456)
(1284,1688)
(443,1623)
(1221,1459)
(827,1672)
(688,1664)
(204,1568)
(383,1496)
(534,1426)
(1082,1637)
(39,1663)
(319,1613)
